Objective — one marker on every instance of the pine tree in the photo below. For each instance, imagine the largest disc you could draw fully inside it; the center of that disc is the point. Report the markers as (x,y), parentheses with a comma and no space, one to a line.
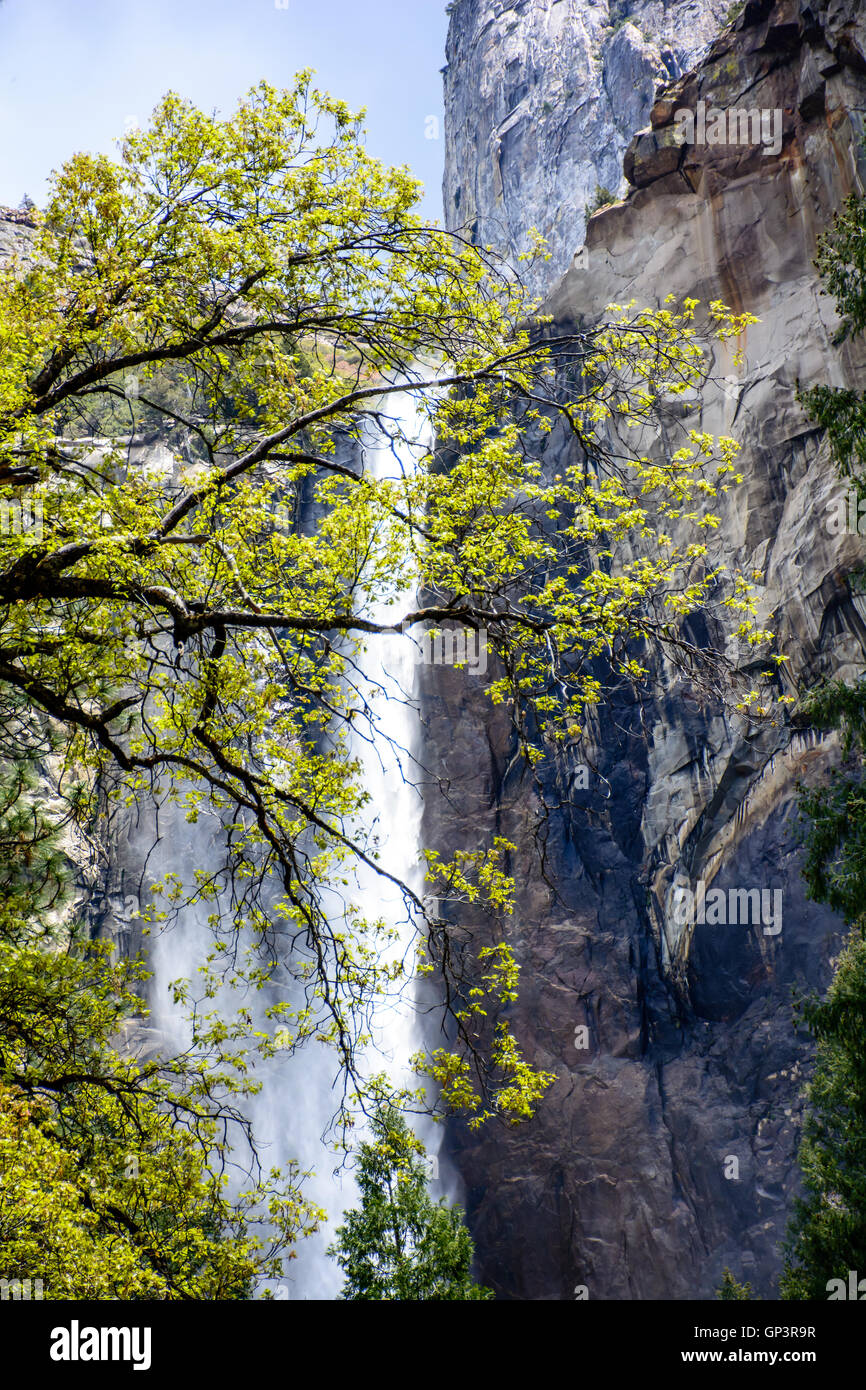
(400,1245)
(842,267)
(730,1288)
(827,1235)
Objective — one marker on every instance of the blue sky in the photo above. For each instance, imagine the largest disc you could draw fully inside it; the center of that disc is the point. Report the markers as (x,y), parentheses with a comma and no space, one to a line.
(74,72)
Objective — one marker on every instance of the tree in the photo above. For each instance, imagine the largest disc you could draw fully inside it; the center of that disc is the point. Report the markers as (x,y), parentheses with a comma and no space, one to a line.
(827,1234)
(400,1245)
(841,411)
(731,1289)
(112,1173)
(602,198)
(255,295)
(112,1170)
(34,872)
(835,866)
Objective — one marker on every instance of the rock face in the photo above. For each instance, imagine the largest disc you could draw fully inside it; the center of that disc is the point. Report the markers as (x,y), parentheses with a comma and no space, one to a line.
(541,99)
(666,1149)
(15,233)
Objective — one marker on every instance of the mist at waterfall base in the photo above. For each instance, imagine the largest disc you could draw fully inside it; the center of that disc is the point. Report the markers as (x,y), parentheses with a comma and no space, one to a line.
(300,1092)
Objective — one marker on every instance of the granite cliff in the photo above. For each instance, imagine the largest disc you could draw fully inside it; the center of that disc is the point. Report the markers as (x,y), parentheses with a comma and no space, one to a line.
(542,98)
(624,1185)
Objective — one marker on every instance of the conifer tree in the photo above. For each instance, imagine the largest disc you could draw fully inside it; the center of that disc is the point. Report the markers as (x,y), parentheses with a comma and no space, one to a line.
(399,1244)
(731,1288)
(827,1235)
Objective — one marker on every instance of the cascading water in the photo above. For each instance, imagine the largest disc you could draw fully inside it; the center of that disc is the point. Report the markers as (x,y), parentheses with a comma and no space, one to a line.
(294,1108)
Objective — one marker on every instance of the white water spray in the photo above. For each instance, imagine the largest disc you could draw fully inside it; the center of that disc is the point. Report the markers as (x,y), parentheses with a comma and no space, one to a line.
(293,1111)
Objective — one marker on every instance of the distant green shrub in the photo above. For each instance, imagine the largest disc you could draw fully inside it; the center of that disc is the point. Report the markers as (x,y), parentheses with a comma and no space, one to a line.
(602,198)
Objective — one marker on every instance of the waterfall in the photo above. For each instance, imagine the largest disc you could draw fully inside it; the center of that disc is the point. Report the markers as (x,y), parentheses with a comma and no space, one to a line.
(292,1112)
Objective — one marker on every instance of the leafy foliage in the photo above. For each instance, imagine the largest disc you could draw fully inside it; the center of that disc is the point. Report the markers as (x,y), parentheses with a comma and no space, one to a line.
(602,198)
(400,1245)
(33,867)
(827,1234)
(112,1169)
(110,1172)
(253,298)
(841,264)
(835,814)
(731,1289)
